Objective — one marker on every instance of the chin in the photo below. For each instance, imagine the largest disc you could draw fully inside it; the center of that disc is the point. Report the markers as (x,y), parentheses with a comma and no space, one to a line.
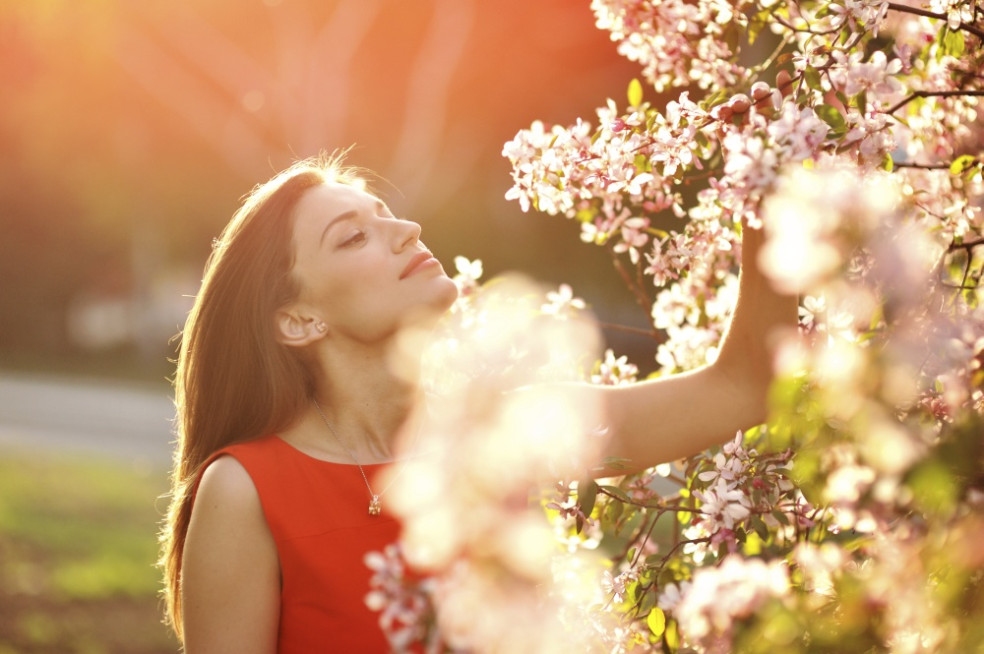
(432,310)
(450,294)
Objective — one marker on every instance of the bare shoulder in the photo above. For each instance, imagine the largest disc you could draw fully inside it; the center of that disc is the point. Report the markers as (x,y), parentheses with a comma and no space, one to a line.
(227,482)
(230,571)
(227,507)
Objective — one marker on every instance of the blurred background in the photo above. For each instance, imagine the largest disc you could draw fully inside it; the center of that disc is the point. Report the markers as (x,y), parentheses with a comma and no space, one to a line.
(129,131)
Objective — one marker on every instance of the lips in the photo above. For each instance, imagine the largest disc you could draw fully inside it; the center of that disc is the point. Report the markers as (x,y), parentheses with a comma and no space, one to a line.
(416,262)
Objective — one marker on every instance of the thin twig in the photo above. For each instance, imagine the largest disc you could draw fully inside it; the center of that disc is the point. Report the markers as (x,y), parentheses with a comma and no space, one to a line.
(643,505)
(904,164)
(640,296)
(638,331)
(771,59)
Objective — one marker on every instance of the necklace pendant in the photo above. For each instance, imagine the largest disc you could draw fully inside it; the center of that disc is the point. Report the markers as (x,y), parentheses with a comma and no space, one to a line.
(374,507)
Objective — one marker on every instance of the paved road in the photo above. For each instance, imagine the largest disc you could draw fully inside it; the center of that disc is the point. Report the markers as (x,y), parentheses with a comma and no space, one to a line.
(82,416)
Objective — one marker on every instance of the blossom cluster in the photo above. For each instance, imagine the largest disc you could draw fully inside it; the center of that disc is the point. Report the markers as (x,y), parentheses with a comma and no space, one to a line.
(498,419)
(677,43)
(719,595)
(845,523)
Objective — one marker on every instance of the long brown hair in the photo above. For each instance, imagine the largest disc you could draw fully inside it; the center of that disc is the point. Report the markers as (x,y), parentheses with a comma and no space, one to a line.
(235,381)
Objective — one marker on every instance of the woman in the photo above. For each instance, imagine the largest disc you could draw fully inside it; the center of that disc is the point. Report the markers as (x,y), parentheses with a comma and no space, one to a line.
(287,409)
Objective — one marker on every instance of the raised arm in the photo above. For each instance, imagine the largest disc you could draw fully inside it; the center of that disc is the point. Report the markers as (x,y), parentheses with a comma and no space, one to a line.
(681,415)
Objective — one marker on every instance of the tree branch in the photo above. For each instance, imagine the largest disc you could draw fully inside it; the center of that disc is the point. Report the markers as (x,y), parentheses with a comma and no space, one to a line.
(932,94)
(929,14)
(966,246)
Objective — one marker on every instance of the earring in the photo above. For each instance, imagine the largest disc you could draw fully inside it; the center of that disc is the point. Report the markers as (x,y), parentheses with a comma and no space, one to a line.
(321,326)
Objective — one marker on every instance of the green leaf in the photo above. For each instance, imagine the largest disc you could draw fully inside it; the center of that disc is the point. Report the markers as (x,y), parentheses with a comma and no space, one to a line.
(672,637)
(714,99)
(755,25)
(617,493)
(861,101)
(761,530)
(888,164)
(830,115)
(613,512)
(614,462)
(656,622)
(784,58)
(962,163)
(585,215)
(753,544)
(587,491)
(933,487)
(812,78)
(635,93)
(953,42)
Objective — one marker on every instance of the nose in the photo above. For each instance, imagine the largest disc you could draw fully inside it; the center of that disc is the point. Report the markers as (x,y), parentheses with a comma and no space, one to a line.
(407,232)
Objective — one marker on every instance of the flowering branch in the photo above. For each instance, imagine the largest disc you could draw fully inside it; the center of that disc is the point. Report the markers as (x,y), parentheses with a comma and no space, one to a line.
(905,9)
(880,394)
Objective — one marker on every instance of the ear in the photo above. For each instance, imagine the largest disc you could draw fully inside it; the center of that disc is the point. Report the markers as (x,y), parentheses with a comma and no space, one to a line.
(297,330)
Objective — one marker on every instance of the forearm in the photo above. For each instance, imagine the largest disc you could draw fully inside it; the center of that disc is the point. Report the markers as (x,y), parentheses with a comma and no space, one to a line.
(761,315)
(681,415)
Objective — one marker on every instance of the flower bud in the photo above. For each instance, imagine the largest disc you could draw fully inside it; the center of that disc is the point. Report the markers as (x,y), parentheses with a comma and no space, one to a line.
(784,82)
(739,103)
(722,112)
(760,90)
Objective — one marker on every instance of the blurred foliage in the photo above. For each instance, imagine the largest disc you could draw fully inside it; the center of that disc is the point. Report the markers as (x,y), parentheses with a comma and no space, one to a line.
(77,551)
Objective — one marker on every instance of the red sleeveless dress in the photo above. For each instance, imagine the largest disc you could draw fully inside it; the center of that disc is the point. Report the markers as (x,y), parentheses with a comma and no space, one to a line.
(318,513)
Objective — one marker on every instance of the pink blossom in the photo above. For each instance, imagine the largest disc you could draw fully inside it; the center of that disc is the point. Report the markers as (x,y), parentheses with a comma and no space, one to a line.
(877,76)
(562,303)
(671,595)
(722,506)
(612,371)
(718,596)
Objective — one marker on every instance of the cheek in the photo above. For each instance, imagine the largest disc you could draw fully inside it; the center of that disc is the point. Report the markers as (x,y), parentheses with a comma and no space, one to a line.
(358,298)
(339,283)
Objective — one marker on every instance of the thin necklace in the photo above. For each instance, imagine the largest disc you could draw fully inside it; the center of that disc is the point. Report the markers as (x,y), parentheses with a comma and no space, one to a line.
(374,506)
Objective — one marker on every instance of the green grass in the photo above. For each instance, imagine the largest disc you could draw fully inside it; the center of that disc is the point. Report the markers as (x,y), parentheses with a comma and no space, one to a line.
(77,551)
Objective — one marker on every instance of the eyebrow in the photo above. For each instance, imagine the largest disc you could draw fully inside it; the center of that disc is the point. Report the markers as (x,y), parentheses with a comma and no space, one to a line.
(348,215)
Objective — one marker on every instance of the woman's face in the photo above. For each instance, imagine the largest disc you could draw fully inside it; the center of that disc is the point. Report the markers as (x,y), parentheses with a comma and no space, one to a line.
(361,270)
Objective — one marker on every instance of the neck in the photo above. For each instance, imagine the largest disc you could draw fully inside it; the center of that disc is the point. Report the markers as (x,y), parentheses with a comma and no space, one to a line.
(367,406)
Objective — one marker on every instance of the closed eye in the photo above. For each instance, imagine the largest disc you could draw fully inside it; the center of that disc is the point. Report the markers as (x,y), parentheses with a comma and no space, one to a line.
(355,239)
